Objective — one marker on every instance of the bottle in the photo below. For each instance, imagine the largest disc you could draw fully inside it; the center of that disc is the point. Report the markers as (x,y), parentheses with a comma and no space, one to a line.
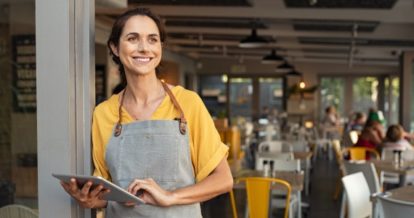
(271,163)
(266,168)
(396,158)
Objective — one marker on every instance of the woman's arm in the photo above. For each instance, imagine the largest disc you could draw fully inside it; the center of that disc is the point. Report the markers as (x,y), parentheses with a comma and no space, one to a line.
(218,182)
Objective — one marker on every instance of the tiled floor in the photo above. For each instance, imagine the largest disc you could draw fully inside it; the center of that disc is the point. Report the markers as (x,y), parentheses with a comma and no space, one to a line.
(320,199)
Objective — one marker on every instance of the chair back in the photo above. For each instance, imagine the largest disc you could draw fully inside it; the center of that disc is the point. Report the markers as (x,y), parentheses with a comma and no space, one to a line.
(370,174)
(360,153)
(358,195)
(408,155)
(287,165)
(387,154)
(300,145)
(17,211)
(258,193)
(274,146)
(395,208)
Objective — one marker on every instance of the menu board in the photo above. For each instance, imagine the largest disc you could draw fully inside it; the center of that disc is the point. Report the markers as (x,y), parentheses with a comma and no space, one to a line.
(24,73)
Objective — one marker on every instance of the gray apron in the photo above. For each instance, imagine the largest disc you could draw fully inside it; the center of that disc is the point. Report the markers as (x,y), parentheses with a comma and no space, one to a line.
(156,149)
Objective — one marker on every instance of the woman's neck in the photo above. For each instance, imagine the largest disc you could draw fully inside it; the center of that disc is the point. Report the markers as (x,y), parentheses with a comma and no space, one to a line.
(143,89)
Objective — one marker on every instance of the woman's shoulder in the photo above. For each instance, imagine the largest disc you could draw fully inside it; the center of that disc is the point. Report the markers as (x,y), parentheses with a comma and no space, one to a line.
(107,107)
(184,95)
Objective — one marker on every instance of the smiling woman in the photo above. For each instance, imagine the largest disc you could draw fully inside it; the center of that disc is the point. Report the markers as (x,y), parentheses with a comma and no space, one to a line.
(152,138)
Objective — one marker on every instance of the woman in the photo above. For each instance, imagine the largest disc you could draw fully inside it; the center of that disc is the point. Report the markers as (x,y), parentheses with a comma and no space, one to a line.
(152,137)
(372,135)
(396,138)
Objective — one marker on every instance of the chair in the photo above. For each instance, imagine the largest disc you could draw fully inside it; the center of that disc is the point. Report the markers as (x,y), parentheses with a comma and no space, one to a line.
(358,195)
(336,145)
(360,153)
(258,196)
(275,146)
(393,208)
(17,211)
(370,174)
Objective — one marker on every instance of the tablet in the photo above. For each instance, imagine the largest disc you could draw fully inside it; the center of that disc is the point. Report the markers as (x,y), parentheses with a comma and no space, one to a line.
(116,193)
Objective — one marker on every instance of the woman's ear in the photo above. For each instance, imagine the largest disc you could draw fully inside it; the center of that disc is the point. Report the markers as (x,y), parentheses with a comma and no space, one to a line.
(114,49)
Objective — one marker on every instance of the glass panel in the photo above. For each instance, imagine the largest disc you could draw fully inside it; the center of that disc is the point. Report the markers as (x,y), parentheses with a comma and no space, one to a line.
(18,155)
(241,90)
(332,93)
(392,99)
(213,93)
(271,96)
(365,94)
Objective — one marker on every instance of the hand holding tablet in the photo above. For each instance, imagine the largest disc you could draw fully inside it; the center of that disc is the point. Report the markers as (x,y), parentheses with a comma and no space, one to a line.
(116,193)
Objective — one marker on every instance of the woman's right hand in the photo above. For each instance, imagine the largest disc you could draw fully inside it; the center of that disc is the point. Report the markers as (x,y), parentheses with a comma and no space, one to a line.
(86,197)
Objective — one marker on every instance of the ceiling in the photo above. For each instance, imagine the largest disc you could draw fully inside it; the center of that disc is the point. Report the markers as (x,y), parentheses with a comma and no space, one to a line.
(343,31)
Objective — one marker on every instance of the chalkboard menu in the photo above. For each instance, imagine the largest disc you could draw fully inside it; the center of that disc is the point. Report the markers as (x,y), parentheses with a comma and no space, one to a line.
(24,73)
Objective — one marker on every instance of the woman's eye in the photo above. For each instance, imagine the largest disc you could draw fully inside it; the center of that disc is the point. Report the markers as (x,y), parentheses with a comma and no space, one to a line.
(132,39)
(153,40)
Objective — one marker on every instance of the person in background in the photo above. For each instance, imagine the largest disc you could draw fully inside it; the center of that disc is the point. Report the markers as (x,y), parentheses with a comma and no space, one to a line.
(152,138)
(357,123)
(372,135)
(396,138)
(330,123)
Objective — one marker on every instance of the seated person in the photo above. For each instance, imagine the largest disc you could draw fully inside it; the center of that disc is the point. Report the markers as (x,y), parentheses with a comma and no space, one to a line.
(372,135)
(395,138)
(357,122)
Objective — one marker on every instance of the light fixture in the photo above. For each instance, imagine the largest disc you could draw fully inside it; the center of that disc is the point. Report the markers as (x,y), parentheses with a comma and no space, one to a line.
(285,67)
(294,72)
(302,84)
(272,58)
(253,41)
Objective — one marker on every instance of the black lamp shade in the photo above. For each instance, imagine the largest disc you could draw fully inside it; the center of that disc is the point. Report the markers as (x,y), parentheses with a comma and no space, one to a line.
(294,72)
(272,58)
(253,41)
(285,67)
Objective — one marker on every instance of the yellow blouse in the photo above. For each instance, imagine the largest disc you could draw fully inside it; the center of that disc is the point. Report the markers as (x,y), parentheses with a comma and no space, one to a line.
(206,147)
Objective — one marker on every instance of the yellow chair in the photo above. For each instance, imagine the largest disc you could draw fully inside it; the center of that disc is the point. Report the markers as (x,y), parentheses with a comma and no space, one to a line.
(258,193)
(360,153)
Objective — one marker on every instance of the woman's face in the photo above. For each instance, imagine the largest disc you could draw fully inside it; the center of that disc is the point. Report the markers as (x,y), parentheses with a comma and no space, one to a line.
(139,47)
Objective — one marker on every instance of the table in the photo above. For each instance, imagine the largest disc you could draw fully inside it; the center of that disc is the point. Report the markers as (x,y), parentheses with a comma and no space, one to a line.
(405,193)
(295,179)
(389,166)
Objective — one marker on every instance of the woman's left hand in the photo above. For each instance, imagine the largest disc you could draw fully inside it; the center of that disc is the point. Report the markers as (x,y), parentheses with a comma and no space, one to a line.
(152,193)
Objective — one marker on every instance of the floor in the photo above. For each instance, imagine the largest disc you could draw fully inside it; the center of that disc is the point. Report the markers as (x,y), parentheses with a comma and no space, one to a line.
(320,199)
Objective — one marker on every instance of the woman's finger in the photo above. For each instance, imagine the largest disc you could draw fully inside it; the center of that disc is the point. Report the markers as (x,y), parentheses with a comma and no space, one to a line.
(85,189)
(96,191)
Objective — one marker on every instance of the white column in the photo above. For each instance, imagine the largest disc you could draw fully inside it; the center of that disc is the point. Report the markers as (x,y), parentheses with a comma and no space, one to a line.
(65,97)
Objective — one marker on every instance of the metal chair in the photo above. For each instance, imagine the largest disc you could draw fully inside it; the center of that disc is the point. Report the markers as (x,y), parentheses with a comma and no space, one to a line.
(17,211)
(258,196)
(370,174)
(274,146)
(360,153)
(393,208)
(358,195)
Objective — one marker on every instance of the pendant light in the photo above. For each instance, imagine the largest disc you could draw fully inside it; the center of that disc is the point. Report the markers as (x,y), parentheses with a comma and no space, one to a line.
(253,41)
(272,58)
(285,67)
(294,72)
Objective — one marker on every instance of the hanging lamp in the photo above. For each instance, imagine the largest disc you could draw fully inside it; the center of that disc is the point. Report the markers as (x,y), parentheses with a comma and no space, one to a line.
(272,58)
(285,67)
(253,41)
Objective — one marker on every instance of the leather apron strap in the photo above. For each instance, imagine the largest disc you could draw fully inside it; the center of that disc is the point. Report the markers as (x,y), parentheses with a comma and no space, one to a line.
(182,122)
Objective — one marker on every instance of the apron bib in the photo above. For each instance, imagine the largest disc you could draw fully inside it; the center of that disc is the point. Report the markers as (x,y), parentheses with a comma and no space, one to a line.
(157,149)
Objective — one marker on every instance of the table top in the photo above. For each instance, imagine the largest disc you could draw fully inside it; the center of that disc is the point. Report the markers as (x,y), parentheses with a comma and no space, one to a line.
(405,193)
(295,179)
(389,166)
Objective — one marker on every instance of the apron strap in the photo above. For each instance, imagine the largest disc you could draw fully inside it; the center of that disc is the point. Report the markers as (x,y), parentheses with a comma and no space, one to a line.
(182,121)
(118,127)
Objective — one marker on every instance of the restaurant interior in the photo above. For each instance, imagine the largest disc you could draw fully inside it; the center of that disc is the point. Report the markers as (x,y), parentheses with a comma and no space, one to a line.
(314,99)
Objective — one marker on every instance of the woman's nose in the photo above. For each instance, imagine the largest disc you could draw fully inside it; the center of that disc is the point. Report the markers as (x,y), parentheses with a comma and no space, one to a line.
(142,45)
